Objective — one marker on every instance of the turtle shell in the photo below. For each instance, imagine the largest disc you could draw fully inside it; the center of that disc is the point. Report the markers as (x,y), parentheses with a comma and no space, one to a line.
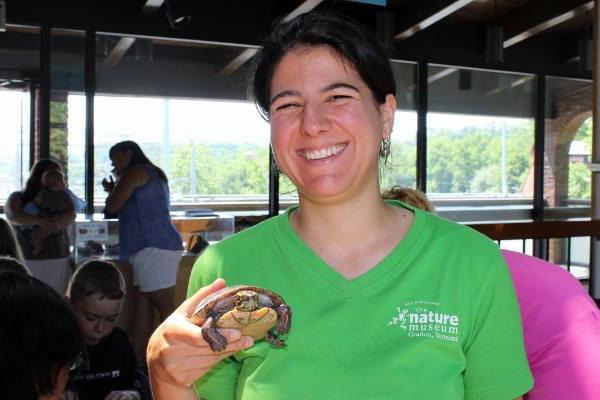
(266,298)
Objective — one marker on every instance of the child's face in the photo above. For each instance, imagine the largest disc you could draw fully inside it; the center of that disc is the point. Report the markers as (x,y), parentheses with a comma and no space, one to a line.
(97,317)
(54,180)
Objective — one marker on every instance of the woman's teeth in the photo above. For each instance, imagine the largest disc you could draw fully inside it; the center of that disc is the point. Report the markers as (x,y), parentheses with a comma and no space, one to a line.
(322,153)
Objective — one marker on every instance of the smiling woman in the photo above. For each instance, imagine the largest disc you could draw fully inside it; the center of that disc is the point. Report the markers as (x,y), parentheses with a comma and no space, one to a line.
(326,87)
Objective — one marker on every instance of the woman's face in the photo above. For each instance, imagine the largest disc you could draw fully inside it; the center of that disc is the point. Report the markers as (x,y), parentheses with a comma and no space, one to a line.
(326,127)
(120,160)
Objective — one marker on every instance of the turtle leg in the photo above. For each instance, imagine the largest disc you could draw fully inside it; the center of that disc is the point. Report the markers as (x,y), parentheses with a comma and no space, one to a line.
(284,318)
(274,339)
(215,340)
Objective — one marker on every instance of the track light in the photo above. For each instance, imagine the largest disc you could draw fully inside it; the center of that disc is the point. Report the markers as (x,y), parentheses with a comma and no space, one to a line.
(177,14)
(494,43)
(465,79)
(143,50)
(494,49)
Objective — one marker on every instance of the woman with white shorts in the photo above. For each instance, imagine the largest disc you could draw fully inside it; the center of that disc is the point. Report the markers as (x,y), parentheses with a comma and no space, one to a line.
(147,237)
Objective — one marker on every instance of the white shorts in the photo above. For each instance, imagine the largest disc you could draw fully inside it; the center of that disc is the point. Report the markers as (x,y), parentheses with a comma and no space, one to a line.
(56,272)
(155,269)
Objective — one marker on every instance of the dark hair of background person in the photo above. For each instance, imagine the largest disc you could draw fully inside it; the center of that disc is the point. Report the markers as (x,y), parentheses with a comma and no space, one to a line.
(137,155)
(9,245)
(354,43)
(39,335)
(34,182)
(97,277)
(8,263)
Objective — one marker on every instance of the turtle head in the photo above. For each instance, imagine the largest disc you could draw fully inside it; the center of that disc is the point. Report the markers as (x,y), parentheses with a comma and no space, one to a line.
(247,300)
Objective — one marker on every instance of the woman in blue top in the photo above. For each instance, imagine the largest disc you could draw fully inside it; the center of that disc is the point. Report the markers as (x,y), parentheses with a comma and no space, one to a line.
(147,237)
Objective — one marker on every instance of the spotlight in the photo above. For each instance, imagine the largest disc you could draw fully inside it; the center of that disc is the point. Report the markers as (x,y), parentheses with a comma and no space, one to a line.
(494,43)
(177,14)
(494,48)
(143,50)
(465,79)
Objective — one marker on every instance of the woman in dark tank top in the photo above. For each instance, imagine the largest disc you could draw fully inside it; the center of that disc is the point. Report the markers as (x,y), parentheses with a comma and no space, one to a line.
(147,237)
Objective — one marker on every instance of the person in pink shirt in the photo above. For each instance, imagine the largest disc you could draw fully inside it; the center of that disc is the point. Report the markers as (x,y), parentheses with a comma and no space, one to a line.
(561,322)
(561,329)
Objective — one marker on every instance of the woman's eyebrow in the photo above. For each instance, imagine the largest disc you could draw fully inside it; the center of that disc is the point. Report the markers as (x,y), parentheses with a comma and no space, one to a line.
(337,85)
(284,94)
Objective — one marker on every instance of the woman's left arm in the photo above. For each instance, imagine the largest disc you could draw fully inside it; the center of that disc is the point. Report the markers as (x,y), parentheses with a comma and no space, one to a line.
(132,178)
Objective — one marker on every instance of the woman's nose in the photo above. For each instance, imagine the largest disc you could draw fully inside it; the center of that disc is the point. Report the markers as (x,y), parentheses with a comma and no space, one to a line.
(314,119)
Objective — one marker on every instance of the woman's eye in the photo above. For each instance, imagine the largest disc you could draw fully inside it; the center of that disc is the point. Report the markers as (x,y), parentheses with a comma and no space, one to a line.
(286,105)
(338,97)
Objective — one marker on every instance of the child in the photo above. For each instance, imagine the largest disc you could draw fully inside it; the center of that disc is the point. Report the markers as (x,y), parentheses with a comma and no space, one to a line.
(39,334)
(52,200)
(97,291)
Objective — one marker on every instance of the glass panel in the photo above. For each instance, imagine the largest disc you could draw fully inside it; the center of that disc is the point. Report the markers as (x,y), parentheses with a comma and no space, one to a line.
(480,135)
(188,114)
(19,70)
(400,168)
(568,144)
(67,121)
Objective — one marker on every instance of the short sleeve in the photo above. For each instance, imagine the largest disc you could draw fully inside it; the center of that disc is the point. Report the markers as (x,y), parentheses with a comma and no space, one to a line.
(221,381)
(497,366)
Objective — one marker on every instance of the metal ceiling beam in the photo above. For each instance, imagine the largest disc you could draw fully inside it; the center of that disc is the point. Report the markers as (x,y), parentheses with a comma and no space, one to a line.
(123,45)
(428,14)
(117,53)
(248,53)
(536,17)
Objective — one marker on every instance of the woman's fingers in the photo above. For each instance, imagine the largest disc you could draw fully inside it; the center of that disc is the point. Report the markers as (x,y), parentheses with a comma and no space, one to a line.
(177,353)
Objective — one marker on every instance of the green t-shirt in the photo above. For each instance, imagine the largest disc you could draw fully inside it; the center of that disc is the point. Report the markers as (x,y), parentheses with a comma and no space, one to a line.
(436,319)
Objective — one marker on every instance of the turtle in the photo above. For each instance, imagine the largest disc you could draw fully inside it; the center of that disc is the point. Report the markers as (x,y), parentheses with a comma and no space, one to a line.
(252,310)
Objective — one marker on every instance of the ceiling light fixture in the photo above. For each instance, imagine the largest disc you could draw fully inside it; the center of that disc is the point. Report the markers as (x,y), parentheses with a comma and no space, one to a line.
(494,46)
(177,14)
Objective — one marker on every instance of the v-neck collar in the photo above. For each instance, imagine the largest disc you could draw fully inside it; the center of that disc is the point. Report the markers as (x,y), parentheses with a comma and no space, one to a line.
(311,263)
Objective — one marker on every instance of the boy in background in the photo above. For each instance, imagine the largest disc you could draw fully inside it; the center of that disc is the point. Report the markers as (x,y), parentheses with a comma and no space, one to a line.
(109,370)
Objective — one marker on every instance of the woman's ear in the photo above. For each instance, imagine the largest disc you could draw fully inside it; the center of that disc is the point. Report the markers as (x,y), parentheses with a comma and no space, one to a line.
(387,111)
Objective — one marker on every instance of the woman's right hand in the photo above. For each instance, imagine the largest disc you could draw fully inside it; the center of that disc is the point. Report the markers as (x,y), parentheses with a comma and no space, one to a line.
(108,185)
(177,354)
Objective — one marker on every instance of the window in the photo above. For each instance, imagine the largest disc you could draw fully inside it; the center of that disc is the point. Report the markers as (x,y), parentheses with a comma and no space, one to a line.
(19,77)
(400,169)
(480,134)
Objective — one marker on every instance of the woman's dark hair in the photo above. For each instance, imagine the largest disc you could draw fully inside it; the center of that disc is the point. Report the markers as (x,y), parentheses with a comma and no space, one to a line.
(97,277)
(9,245)
(353,42)
(137,155)
(39,335)
(34,182)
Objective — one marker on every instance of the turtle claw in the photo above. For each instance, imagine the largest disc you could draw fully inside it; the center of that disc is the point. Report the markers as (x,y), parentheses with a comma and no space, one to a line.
(215,340)
(274,340)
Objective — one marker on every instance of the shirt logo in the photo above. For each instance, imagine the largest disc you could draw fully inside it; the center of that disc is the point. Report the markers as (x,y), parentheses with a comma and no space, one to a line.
(421,318)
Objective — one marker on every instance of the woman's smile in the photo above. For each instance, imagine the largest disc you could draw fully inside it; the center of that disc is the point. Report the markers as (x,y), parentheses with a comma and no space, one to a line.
(324,152)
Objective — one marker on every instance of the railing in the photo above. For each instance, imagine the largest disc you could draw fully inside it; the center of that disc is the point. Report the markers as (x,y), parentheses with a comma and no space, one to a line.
(544,231)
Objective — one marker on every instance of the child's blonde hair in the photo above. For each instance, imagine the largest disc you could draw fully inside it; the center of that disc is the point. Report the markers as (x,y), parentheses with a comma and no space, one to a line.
(410,196)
